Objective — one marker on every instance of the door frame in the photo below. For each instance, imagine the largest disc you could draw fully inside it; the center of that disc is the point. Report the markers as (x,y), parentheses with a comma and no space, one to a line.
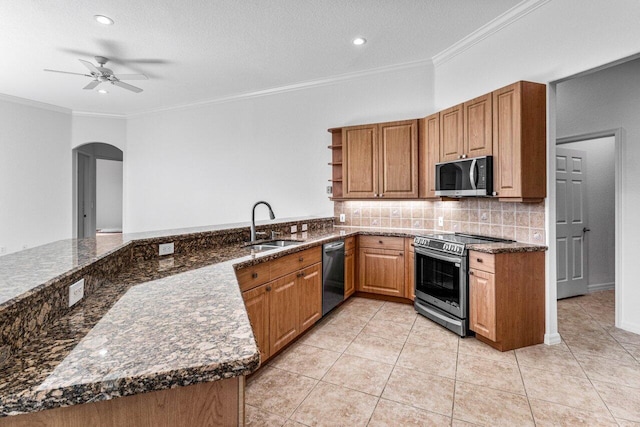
(551,334)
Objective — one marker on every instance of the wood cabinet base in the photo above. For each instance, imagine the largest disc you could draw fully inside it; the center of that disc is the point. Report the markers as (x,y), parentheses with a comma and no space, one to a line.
(219,403)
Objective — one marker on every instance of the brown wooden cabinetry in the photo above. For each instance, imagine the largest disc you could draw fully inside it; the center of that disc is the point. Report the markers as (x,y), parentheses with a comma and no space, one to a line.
(380,160)
(287,304)
(381,265)
(336,162)
(506,298)
(429,154)
(478,125)
(349,267)
(452,133)
(410,291)
(519,142)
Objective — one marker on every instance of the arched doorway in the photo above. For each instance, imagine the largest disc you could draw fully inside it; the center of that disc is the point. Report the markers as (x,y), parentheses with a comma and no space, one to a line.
(97,189)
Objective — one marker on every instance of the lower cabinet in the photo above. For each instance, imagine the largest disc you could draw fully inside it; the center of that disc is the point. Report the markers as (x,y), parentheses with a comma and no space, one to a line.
(381,271)
(409,269)
(506,298)
(349,272)
(282,309)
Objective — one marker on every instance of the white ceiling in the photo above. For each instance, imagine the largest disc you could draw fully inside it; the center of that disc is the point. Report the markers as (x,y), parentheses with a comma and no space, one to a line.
(198,50)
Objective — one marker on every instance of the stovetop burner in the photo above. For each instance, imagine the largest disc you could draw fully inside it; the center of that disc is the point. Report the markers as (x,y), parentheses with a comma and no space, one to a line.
(467,239)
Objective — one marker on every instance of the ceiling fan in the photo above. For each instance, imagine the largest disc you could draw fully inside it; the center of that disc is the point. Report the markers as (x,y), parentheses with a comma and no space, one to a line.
(101,74)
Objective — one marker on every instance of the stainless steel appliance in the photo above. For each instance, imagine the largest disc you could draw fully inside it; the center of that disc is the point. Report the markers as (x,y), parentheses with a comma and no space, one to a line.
(465,177)
(332,275)
(441,278)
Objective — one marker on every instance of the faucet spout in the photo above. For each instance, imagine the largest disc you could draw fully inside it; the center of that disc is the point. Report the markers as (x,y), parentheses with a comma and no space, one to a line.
(253,217)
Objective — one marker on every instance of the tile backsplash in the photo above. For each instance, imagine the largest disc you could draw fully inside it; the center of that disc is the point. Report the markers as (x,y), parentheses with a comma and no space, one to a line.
(522,222)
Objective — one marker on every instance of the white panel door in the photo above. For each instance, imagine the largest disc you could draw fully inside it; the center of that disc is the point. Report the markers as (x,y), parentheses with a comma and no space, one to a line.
(571,222)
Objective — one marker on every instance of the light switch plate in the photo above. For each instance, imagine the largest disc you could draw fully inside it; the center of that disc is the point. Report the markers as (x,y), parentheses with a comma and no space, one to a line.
(294,229)
(303,227)
(343,218)
(440,221)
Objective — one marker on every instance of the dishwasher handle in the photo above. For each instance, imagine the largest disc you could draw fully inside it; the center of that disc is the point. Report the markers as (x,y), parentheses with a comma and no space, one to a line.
(332,247)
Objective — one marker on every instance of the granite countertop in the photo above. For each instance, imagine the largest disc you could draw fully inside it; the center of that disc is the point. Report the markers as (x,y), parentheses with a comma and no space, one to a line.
(500,247)
(161,323)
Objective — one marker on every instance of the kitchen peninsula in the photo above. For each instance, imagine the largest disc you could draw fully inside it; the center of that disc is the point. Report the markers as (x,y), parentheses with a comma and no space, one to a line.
(152,336)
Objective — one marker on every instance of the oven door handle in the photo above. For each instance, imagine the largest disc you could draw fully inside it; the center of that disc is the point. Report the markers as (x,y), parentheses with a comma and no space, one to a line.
(455,260)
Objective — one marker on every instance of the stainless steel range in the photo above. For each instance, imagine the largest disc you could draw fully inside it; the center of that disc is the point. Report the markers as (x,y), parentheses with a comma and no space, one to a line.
(441,278)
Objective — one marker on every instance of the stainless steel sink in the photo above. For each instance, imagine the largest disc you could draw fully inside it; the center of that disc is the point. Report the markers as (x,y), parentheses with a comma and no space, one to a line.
(269,246)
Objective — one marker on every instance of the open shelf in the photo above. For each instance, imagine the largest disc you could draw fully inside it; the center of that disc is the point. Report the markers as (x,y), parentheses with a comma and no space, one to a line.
(336,162)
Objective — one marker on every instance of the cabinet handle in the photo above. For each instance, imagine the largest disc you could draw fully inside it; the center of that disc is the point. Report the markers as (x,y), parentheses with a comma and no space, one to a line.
(471,273)
(254,276)
(268,288)
(301,274)
(401,254)
(479,260)
(301,259)
(380,241)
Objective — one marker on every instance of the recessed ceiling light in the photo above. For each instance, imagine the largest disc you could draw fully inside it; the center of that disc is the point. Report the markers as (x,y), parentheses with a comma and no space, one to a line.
(103,91)
(104,20)
(359,41)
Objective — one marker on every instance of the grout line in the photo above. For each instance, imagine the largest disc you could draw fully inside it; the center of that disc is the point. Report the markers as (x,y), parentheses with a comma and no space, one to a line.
(524,387)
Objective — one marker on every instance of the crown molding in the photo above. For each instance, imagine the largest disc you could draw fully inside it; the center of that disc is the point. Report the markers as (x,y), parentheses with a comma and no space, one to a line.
(98,115)
(509,17)
(36,104)
(288,88)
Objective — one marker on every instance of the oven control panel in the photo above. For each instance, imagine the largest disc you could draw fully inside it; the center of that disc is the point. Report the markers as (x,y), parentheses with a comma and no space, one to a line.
(440,245)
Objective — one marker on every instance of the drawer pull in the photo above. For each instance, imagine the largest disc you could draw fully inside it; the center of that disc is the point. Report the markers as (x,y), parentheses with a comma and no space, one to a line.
(479,260)
(268,288)
(401,254)
(380,241)
(301,274)
(471,273)
(301,259)
(254,275)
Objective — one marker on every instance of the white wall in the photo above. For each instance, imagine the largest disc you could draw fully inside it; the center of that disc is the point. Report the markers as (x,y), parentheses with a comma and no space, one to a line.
(600,184)
(108,195)
(89,128)
(35,175)
(606,100)
(209,164)
(556,40)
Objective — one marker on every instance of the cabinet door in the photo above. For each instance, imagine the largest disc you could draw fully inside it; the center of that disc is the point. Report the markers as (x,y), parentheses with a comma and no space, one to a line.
(451,133)
(381,271)
(257,303)
(409,270)
(360,161)
(310,296)
(478,124)
(429,154)
(283,312)
(482,303)
(398,159)
(349,273)
(506,140)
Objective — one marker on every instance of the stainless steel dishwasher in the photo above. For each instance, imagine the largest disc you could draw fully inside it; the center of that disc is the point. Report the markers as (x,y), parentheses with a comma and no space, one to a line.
(332,275)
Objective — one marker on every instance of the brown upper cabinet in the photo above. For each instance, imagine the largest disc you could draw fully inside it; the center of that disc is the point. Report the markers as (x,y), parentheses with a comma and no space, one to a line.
(519,142)
(429,153)
(466,130)
(380,160)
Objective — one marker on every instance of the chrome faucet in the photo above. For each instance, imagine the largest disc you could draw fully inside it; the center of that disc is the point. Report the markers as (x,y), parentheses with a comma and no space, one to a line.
(253,218)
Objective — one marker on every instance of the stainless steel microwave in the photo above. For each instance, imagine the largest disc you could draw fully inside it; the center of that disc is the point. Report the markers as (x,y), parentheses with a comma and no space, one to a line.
(466,177)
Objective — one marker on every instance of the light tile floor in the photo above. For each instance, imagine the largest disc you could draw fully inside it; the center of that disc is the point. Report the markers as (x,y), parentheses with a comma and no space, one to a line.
(373,363)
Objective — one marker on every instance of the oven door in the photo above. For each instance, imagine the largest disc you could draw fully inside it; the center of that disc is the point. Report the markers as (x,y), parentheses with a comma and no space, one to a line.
(441,280)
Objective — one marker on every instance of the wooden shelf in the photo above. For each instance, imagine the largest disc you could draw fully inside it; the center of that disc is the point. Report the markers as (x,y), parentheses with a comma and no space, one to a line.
(335,163)
(336,180)
(335,147)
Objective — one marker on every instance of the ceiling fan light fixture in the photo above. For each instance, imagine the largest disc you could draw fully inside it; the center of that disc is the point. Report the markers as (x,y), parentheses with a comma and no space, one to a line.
(102,91)
(104,20)
(359,41)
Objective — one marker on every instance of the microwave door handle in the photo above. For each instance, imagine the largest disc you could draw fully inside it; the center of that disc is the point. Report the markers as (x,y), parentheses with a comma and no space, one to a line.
(472,173)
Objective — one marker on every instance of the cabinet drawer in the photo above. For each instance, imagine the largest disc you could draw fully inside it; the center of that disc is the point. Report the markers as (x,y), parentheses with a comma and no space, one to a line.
(294,262)
(349,243)
(255,275)
(381,242)
(482,261)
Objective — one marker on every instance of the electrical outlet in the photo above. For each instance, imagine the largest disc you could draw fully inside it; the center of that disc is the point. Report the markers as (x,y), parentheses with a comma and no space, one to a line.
(343,218)
(304,227)
(165,249)
(294,229)
(76,292)
(440,221)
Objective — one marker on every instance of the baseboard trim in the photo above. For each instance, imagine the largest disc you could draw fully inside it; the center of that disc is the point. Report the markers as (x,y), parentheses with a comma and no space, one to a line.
(601,287)
(552,339)
(631,327)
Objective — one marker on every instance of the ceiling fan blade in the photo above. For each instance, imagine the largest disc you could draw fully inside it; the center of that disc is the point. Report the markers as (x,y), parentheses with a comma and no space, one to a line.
(127,86)
(131,77)
(66,72)
(92,84)
(90,66)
